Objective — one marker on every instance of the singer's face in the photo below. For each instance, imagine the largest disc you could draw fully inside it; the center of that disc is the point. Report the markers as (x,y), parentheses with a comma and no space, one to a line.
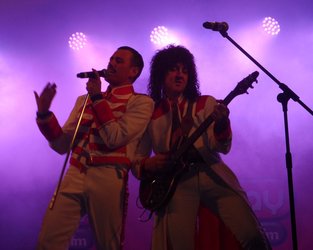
(120,70)
(176,80)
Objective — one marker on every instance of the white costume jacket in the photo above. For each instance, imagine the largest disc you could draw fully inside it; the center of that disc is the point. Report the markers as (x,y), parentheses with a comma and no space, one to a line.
(209,144)
(110,128)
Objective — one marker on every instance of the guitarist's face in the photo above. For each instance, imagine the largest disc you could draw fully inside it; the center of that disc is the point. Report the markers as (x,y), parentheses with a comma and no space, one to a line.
(176,80)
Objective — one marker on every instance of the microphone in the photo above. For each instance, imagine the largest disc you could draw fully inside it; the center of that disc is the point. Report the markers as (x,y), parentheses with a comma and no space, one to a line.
(216,26)
(91,74)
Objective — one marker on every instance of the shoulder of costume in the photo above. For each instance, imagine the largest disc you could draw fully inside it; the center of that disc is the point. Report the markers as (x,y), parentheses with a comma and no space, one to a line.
(141,94)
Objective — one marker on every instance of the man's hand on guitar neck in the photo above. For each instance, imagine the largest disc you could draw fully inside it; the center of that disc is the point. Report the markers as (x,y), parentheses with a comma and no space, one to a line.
(220,111)
(220,116)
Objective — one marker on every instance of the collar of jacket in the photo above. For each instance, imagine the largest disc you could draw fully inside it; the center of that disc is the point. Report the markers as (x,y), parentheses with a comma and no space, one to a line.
(121,90)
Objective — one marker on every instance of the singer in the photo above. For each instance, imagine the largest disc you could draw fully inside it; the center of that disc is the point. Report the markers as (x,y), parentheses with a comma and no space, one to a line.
(96,179)
(206,183)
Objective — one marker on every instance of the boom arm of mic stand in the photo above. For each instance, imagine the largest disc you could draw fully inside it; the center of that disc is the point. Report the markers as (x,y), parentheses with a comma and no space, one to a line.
(284,87)
(68,154)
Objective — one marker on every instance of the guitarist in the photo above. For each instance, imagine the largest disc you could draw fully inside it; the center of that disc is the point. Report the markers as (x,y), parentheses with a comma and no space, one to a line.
(206,179)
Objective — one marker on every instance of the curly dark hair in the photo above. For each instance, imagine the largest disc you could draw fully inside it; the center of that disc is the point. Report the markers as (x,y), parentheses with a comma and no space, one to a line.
(162,62)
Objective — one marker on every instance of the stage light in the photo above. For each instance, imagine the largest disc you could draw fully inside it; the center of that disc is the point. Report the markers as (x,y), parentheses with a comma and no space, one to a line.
(161,36)
(77,41)
(271,26)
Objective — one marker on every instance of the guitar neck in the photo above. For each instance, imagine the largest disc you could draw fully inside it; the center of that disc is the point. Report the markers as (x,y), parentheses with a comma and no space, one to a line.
(200,130)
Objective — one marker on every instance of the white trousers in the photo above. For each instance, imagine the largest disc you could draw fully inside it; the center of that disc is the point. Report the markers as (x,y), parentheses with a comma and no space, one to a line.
(174,227)
(102,193)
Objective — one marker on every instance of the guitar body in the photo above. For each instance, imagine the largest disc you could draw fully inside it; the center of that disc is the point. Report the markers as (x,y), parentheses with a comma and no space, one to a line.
(155,193)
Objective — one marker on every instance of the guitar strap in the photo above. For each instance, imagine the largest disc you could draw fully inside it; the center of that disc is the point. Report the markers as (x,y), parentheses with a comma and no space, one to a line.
(184,127)
(192,154)
(187,121)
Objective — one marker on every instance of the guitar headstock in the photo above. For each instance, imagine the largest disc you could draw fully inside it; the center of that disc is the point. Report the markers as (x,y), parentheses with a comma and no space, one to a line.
(246,83)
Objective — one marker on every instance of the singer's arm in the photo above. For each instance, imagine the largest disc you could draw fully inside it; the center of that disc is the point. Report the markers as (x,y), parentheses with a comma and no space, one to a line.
(59,138)
(44,100)
(93,85)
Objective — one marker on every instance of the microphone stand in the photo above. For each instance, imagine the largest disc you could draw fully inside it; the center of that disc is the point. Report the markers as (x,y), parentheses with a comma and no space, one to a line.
(52,202)
(282,98)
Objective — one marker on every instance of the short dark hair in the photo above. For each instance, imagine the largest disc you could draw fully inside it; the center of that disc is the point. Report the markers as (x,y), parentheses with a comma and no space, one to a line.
(137,59)
(162,62)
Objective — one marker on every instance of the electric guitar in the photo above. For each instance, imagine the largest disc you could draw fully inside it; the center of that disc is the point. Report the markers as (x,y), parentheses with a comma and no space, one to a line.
(156,192)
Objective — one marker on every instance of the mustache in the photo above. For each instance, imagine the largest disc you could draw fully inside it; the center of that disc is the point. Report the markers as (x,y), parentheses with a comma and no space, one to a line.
(178,78)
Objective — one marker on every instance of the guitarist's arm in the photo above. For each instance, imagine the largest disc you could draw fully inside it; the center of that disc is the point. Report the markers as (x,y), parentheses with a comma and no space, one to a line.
(147,167)
(145,164)
(218,136)
(221,129)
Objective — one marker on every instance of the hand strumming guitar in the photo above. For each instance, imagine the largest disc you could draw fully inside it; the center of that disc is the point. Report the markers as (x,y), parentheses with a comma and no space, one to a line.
(157,164)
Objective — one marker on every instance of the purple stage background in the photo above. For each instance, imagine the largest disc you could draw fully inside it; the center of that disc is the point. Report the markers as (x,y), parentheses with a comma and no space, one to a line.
(33,51)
